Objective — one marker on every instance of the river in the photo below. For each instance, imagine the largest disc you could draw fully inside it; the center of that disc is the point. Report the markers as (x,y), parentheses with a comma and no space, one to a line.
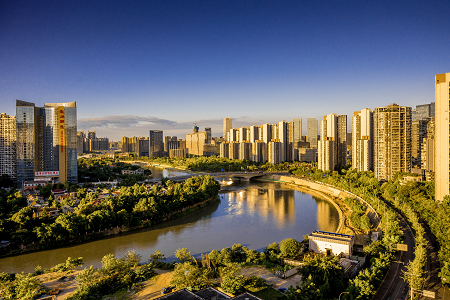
(253,214)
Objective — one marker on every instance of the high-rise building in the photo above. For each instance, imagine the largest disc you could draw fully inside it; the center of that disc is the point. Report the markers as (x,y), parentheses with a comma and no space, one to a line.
(259,151)
(46,140)
(233,135)
(8,138)
(227,125)
(362,140)
(333,141)
(311,132)
(266,133)
(418,133)
(224,149)
(167,142)
(425,111)
(325,148)
(274,152)
(233,152)
(129,144)
(297,127)
(427,153)
(342,141)
(245,150)
(156,143)
(242,134)
(253,133)
(197,143)
(80,142)
(441,135)
(142,146)
(392,141)
(208,135)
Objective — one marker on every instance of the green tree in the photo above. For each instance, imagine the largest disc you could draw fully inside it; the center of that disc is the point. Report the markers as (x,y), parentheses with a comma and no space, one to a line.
(187,275)
(290,247)
(157,258)
(183,255)
(307,291)
(230,282)
(325,272)
(26,286)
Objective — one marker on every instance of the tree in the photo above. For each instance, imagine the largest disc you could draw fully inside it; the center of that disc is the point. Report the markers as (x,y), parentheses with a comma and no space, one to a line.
(230,282)
(26,286)
(23,217)
(157,258)
(188,275)
(290,247)
(325,272)
(183,255)
(233,284)
(307,291)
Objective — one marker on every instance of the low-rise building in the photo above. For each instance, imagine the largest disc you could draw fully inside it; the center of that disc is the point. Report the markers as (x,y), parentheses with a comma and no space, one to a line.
(331,243)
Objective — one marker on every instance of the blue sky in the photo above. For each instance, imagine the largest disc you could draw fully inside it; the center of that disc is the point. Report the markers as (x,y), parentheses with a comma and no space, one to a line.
(133,66)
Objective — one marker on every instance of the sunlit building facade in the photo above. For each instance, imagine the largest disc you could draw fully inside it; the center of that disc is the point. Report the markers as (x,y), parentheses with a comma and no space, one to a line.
(8,146)
(392,141)
(362,140)
(311,132)
(46,140)
(441,136)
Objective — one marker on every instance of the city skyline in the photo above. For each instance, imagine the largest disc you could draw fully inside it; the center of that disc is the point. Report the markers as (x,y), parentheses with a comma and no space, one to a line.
(134,67)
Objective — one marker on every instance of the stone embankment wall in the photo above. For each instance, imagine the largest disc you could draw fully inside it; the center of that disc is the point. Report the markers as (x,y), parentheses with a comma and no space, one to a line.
(323,191)
(323,188)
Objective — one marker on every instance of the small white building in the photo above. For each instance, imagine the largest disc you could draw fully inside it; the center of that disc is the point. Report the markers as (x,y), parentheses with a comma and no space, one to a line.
(331,243)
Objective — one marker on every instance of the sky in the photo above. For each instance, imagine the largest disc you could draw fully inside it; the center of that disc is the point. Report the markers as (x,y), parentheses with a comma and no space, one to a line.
(135,66)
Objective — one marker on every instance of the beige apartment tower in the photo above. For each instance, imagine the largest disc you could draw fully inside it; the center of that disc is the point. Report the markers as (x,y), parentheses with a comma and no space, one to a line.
(392,141)
(362,140)
(227,125)
(442,134)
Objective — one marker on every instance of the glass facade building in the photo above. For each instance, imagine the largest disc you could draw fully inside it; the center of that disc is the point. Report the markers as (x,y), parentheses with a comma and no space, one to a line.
(46,140)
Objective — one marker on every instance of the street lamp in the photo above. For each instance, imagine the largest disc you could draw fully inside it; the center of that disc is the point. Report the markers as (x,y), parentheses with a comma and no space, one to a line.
(342,293)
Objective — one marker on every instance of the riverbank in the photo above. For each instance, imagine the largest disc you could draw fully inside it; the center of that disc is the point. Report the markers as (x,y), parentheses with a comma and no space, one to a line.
(93,236)
(329,193)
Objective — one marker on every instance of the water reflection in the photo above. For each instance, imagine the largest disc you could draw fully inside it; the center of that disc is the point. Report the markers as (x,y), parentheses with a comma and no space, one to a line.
(253,214)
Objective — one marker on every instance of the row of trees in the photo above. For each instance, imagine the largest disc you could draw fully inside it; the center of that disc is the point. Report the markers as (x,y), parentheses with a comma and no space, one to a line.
(93,169)
(213,164)
(133,207)
(226,264)
(414,199)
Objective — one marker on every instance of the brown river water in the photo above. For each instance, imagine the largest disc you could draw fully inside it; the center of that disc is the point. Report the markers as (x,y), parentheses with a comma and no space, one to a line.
(253,214)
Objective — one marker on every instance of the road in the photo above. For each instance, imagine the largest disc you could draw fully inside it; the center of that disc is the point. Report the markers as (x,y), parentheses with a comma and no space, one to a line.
(433,267)
(393,286)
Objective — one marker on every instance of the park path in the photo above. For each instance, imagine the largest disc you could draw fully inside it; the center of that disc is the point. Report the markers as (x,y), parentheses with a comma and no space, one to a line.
(153,287)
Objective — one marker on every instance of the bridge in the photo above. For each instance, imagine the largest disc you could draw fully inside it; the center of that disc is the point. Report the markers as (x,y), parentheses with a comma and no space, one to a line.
(243,176)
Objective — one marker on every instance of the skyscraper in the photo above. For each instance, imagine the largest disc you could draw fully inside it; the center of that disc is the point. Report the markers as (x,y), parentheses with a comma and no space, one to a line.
(332,147)
(297,127)
(362,140)
(342,141)
(8,146)
(227,125)
(156,143)
(392,141)
(311,132)
(326,145)
(46,140)
(441,135)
